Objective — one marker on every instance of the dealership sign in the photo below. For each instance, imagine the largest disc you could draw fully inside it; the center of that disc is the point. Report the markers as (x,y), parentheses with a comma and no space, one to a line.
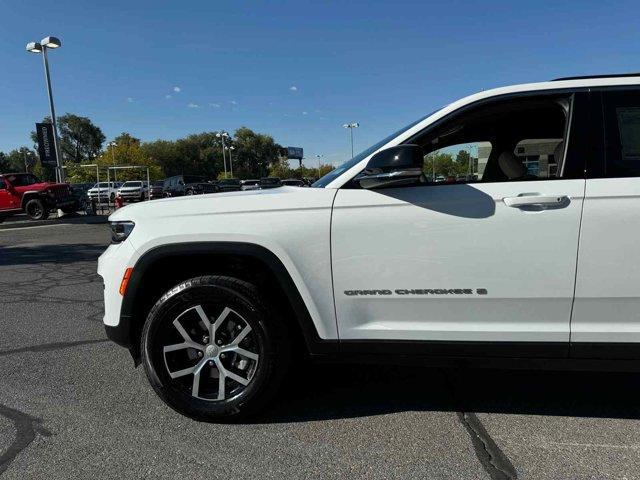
(294,153)
(46,146)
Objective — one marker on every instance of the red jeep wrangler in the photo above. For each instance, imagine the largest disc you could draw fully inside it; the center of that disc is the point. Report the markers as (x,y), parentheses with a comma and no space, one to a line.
(24,192)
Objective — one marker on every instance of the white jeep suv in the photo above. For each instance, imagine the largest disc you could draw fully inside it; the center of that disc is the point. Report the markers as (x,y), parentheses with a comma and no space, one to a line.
(500,230)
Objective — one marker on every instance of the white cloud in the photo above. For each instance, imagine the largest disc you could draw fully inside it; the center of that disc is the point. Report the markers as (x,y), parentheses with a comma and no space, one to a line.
(293,88)
(177,89)
(130,99)
(233,102)
(193,105)
(304,113)
(214,105)
(168,95)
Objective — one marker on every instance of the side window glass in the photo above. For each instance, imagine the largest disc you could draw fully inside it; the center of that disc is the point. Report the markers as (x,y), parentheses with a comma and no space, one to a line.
(457,163)
(520,139)
(622,133)
(540,156)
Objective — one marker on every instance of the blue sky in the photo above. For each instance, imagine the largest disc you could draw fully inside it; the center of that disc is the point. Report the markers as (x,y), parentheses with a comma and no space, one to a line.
(296,70)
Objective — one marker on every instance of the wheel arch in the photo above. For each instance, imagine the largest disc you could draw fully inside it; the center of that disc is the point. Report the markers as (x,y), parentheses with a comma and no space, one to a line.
(247,261)
(26,196)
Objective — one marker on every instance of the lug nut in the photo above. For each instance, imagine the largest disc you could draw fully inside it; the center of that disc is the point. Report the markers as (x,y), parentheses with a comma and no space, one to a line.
(222,355)
(219,342)
(239,327)
(211,363)
(200,354)
(205,339)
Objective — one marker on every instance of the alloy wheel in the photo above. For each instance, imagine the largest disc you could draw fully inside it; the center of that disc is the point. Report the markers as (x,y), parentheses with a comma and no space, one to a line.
(210,353)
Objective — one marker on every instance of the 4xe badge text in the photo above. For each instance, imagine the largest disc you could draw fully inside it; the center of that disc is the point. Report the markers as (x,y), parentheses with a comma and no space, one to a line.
(418,291)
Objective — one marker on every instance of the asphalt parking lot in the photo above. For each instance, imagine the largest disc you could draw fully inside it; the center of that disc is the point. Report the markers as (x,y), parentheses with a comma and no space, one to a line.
(73,406)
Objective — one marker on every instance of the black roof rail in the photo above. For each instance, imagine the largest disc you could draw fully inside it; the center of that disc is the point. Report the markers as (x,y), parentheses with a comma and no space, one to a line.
(609,75)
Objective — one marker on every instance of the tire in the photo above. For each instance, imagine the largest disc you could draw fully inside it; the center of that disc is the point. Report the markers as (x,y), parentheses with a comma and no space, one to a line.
(189,192)
(36,209)
(230,305)
(112,197)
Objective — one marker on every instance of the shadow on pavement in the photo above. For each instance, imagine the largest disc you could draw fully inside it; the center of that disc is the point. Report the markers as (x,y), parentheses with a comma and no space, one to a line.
(328,392)
(77,252)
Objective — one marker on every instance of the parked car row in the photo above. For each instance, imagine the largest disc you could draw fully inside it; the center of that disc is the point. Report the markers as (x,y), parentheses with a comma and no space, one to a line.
(24,192)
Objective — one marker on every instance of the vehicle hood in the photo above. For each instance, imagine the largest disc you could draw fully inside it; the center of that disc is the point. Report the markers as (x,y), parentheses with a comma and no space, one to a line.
(37,187)
(239,202)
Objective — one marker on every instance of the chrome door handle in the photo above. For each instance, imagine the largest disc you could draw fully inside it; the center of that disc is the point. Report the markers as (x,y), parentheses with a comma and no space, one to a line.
(544,201)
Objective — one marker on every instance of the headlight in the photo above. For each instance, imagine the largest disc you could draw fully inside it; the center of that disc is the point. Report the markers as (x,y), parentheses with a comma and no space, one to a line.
(121,230)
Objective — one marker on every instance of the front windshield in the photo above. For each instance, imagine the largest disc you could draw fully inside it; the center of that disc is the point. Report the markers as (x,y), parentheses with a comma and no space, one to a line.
(132,184)
(336,172)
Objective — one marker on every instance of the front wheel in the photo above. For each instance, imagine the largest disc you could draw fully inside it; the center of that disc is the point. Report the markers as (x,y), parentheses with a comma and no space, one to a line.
(36,209)
(214,350)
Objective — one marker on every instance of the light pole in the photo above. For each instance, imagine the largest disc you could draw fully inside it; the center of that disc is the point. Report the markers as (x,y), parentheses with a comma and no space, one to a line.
(351,126)
(319,157)
(113,159)
(229,149)
(221,135)
(42,47)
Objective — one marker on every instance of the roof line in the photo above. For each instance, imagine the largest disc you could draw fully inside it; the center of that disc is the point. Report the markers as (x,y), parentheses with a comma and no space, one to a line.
(609,75)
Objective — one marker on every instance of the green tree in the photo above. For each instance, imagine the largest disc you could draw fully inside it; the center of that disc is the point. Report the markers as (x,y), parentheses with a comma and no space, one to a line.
(126,151)
(18,160)
(442,163)
(80,139)
(254,153)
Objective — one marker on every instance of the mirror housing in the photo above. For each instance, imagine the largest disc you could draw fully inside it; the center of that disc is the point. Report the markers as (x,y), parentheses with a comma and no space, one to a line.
(395,166)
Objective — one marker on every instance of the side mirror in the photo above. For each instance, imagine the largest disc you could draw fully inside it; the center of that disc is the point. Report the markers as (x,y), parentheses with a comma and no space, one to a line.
(395,166)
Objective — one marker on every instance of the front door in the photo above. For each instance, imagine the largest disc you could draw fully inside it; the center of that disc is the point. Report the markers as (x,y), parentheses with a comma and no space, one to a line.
(482,260)
(7,200)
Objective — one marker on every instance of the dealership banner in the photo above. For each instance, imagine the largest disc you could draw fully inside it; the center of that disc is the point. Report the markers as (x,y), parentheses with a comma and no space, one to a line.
(46,148)
(295,153)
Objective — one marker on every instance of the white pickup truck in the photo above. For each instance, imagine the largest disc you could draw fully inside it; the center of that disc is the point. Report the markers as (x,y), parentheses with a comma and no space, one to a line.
(134,190)
(528,255)
(104,191)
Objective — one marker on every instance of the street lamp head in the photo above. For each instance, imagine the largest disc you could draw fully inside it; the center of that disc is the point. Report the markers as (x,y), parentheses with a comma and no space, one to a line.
(351,125)
(34,47)
(51,42)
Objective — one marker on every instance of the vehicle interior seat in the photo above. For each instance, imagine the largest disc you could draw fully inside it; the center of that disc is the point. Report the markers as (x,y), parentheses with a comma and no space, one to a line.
(511,165)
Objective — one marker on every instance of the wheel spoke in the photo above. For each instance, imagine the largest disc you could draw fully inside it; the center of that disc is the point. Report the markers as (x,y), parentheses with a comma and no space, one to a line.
(245,331)
(195,388)
(204,318)
(182,373)
(181,330)
(233,376)
(221,318)
(242,351)
(182,346)
(221,384)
